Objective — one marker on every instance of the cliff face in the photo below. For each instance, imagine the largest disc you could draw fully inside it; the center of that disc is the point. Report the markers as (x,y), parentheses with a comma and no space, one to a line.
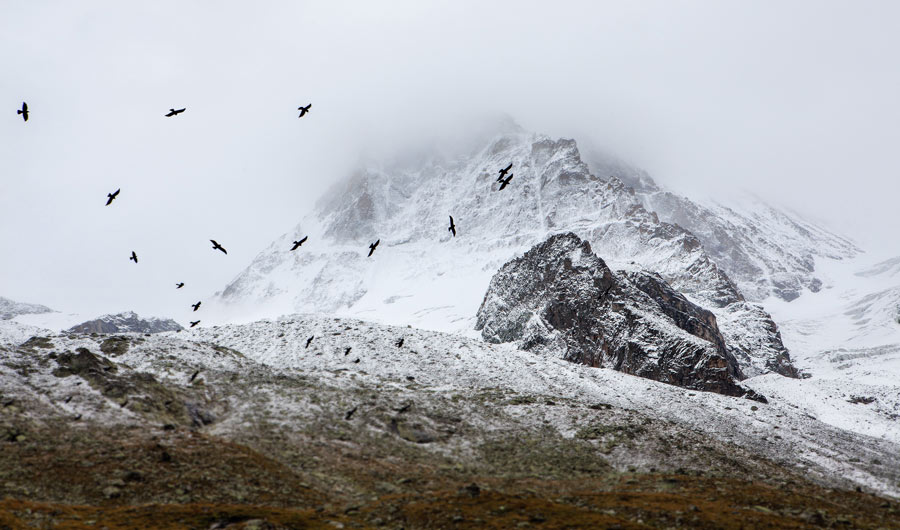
(561,299)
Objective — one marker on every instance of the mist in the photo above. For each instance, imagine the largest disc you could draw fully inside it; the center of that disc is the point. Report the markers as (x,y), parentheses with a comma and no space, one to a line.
(794,101)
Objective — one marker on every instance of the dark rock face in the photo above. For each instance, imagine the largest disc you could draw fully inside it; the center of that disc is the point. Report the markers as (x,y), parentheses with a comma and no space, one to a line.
(562,299)
(125,323)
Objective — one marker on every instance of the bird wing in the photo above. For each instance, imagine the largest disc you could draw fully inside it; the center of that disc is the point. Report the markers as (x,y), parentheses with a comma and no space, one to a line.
(116,193)
(213,241)
(304,239)
(109,201)
(24,107)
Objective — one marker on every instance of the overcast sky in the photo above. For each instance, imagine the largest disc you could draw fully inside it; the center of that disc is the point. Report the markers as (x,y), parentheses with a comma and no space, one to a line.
(797,101)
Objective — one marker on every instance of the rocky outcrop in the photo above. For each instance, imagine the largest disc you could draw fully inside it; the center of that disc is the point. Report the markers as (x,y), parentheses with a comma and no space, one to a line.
(125,323)
(560,298)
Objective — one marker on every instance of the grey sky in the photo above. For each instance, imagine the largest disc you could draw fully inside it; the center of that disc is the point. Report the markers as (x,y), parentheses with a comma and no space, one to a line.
(796,101)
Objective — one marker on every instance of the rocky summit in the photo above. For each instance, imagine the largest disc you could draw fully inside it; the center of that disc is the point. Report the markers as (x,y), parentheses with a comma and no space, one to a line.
(562,299)
(127,322)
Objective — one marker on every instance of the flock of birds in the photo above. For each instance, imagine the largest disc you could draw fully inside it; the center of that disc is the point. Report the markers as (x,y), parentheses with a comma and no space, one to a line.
(503,179)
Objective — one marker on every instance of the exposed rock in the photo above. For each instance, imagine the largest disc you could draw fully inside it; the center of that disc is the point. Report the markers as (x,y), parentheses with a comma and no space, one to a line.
(114,346)
(561,299)
(125,323)
(139,392)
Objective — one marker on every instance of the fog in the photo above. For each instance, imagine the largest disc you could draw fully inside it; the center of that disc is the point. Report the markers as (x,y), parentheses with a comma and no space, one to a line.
(795,101)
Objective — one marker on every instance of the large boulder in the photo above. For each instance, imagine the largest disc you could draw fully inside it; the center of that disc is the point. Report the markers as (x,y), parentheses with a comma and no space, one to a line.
(561,299)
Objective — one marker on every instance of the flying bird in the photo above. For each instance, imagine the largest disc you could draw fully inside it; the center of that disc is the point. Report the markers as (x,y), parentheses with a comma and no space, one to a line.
(350,413)
(195,374)
(112,196)
(217,246)
(347,351)
(298,244)
(400,343)
(303,110)
(309,340)
(194,323)
(196,306)
(23,111)
(173,112)
(452,227)
(133,257)
(356,361)
(179,285)
(504,171)
(372,247)
(505,182)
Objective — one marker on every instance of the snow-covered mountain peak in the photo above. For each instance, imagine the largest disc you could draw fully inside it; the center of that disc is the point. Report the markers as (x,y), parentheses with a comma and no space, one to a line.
(422,275)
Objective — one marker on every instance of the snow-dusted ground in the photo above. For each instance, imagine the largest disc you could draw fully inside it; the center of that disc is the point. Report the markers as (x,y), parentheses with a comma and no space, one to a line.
(847,339)
(448,363)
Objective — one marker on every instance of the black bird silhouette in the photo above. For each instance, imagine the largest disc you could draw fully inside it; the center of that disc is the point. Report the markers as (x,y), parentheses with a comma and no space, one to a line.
(196,306)
(404,408)
(194,376)
(309,340)
(194,323)
(400,343)
(133,257)
(179,285)
(303,110)
(173,112)
(23,111)
(112,196)
(350,413)
(217,246)
(504,171)
(505,182)
(356,361)
(452,227)
(602,296)
(372,247)
(347,351)
(298,244)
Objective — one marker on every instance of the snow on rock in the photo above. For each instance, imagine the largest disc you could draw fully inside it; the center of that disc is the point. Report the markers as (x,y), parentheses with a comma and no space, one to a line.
(764,250)
(561,299)
(446,363)
(128,321)
(421,275)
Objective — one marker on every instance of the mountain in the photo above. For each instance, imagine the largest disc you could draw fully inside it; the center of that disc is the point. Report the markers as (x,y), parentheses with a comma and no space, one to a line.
(10,309)
(421,275)
(561,299)
(124,323)
(766,251)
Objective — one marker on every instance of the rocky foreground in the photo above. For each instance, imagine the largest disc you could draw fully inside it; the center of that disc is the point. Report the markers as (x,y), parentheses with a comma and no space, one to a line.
(250,426)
